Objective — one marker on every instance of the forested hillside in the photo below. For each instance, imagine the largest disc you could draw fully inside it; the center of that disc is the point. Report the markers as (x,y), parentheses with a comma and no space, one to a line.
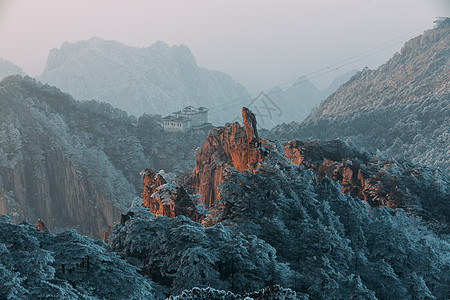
(37,264)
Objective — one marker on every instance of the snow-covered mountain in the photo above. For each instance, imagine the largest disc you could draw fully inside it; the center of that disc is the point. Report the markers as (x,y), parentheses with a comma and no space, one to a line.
(275,223)
(158,79)
(402,108)
(8,68)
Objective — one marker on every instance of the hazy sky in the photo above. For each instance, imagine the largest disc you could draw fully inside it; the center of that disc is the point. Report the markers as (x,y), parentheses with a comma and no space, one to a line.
(259,43)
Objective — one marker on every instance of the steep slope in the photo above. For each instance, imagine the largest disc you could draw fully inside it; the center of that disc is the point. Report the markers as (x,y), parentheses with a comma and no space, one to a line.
(157,79)
(8,68)
(51,167)
(402,108)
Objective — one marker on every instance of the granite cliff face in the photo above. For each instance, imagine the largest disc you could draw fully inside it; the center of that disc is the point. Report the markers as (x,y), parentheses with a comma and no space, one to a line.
(229,146)
(53,165)
(58,193)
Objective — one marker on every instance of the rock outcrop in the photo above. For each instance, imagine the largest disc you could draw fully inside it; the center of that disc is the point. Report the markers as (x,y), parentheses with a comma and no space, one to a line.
(333,160)
(40,225)
(230,146)
(164,198)
(380,183)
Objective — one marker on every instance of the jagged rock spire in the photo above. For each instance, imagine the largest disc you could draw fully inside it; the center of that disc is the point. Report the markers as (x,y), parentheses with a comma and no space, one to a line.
(250,125)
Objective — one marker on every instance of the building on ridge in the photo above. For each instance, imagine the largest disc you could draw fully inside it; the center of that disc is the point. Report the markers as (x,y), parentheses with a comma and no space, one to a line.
(189,118)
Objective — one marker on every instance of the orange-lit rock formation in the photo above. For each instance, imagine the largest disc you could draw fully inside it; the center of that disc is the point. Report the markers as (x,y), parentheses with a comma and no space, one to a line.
(250,125)
(357,175)
(231,145)
(166,198)
(40,225)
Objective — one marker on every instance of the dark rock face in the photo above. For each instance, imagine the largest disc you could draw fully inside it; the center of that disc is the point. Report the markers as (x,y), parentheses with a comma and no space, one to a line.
(166,198)
(59,196)
(335,161)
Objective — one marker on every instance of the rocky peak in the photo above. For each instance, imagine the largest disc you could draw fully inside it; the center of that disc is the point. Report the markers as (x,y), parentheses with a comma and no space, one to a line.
(164,198)
(229,146)
(400,109)
(161,76)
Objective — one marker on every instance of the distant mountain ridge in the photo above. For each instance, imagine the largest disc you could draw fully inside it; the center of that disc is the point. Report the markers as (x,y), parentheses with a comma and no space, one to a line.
(295,102)
(8,68)
(401,109)
(160,79)
(156,79)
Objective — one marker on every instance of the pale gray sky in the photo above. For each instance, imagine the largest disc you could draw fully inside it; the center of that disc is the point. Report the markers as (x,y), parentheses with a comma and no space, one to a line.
(259,43)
